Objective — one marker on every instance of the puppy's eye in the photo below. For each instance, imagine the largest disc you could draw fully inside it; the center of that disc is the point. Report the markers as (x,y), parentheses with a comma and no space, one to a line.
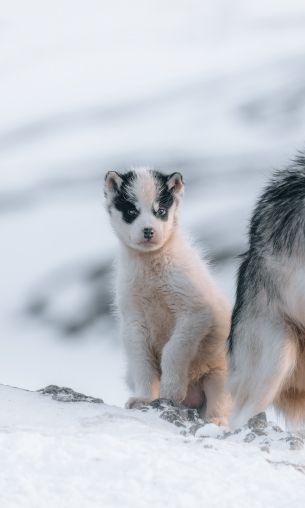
(161,212)
(132,212)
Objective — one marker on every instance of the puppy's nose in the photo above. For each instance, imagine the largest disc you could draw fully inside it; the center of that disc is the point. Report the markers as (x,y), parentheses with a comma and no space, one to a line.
(148,233)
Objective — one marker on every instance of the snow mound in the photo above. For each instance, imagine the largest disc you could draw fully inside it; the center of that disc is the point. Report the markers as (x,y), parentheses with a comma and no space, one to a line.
(88,454)
(258,430)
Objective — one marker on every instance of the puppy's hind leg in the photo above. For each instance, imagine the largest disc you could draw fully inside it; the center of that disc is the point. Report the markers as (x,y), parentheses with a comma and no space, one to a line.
(217,397)
(263,357)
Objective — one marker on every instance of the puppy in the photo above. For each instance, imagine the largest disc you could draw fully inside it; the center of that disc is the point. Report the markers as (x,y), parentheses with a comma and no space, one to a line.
(174,320)
(266,345)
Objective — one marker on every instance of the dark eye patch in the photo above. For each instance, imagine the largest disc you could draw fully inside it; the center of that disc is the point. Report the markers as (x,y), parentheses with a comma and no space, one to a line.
(127,208)
(124,200)
(165,198)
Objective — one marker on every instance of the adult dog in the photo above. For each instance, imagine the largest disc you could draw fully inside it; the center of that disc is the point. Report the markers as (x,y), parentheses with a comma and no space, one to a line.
(266,345)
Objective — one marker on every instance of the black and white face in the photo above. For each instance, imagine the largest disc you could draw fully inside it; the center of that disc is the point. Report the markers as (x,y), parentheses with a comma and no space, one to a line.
(143,206)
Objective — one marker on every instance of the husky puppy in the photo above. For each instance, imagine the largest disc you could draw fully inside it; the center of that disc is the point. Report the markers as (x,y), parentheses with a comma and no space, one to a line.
(174,320)
(266,346)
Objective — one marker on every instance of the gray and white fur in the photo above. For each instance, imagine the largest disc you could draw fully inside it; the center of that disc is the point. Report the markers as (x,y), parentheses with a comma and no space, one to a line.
(266,346)
(174,320)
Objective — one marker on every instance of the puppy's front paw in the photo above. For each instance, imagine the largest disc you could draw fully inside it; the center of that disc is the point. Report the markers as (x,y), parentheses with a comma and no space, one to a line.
(221,421)
(137,402)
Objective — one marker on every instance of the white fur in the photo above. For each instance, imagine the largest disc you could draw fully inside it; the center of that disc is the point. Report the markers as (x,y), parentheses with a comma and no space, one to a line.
(272,348)
(174,320)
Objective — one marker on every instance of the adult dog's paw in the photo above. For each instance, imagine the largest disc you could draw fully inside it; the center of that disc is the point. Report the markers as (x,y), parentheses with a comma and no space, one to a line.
(137,402)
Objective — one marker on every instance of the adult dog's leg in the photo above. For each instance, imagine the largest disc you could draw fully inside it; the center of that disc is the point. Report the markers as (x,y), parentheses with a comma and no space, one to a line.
(263,356)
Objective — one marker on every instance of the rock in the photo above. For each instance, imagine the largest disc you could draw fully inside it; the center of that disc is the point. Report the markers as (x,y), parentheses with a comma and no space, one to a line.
(64,394)
(258,431)
(258,423)
(161,404)
(295,442)
(179,415)
(276,428)
(249,437)
(195,427)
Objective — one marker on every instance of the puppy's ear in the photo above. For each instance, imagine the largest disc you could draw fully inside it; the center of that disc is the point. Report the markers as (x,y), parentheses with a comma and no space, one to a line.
(175,183)
(113,182)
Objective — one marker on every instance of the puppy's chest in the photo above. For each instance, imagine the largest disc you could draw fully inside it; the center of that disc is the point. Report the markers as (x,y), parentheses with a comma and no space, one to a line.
(158,316)
(150,293)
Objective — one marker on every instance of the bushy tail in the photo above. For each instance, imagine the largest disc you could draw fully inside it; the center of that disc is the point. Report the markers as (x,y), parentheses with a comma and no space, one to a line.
(258,367)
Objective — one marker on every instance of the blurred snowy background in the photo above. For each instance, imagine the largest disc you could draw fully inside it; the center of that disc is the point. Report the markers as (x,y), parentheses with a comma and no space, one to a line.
(214,88)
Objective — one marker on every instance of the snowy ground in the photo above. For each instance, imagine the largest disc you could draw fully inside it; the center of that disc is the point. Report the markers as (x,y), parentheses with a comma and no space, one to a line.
(80,454)
(213,88)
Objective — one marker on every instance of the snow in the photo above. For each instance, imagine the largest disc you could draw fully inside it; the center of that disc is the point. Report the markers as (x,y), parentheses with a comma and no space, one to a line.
(79,454)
